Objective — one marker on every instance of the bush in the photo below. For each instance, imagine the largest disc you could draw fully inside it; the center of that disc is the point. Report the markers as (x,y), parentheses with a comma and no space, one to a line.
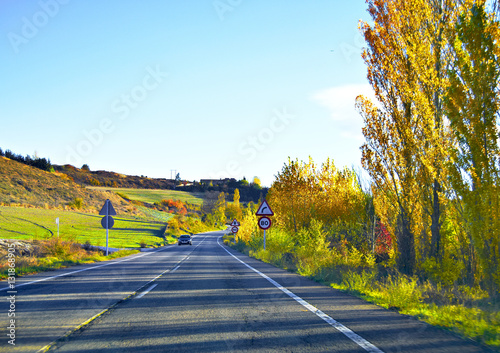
(87,246)
(56,247)
(402,292)
(361,283)
(228,239)
(77,203)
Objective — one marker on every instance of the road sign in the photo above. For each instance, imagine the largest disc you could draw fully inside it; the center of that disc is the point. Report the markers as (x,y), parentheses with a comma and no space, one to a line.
(107,209)
(234,230)
(107,222)
(264,209)
(235,223)
(264,223)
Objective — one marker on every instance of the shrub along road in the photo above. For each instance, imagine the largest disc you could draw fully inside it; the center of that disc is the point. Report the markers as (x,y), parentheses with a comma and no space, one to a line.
(206,301)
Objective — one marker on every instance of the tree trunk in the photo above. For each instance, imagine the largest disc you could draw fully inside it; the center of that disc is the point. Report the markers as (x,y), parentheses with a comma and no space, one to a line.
(406,245)
(436,224)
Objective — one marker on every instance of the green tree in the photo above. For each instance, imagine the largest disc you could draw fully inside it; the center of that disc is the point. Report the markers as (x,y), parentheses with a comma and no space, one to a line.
(472,106)
(219,210)
(256,182)
(243,182)
(236,198)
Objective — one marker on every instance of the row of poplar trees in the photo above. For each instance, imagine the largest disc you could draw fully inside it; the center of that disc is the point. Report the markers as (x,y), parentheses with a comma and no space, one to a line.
(431,136)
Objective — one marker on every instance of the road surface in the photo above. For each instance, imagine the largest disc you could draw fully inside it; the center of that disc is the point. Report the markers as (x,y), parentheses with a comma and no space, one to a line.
(203,298)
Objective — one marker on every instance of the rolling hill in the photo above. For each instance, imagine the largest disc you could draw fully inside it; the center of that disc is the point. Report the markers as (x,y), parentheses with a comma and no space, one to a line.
(23,185)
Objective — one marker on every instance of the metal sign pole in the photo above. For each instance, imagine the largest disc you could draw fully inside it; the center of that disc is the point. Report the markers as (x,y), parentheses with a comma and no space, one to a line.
(57,222)
(264,239)
(107,221)
(107,226)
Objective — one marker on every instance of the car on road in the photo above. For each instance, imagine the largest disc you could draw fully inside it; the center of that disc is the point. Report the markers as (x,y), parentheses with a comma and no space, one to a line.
(185,239)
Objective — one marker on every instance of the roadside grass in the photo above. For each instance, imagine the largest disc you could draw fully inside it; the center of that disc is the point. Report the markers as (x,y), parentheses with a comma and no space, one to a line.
(56,253)
(155,195)
(32,223)
(467,312)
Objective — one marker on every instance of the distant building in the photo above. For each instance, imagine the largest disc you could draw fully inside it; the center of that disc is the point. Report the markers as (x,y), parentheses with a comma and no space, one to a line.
(216,181)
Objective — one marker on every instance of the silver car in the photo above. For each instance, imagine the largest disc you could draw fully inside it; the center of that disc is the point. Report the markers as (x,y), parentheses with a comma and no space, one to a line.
(185,239)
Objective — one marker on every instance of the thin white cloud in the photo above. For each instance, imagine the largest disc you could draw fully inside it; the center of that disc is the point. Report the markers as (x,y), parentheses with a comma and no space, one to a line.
(340,101)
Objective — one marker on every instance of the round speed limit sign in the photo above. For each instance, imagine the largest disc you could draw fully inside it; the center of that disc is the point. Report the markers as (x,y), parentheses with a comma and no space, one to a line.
(264,223)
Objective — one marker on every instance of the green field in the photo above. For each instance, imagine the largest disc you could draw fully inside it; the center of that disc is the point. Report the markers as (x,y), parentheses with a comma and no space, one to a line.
(32,223)
(154,195)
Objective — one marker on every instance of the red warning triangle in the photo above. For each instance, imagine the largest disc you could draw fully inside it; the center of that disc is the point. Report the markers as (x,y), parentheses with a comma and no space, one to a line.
(264,209)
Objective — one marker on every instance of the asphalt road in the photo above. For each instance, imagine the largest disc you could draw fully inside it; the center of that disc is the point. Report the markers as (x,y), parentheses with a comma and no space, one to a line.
(204,300)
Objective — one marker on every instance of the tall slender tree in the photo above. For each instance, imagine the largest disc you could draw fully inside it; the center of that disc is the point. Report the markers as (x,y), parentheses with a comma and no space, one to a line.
(406,136)
(472,106)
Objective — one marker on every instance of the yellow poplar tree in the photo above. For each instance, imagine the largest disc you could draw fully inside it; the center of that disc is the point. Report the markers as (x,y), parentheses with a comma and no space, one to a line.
(392,128)
(472,106)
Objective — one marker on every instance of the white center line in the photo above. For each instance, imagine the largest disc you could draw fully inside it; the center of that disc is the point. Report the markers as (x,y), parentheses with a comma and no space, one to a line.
(146,291)
(82,270)
(360,341)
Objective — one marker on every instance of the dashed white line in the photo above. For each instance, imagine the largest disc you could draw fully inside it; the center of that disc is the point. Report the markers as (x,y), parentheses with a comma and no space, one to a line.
(82,270)
(360,341)
(94,267)
(146,291)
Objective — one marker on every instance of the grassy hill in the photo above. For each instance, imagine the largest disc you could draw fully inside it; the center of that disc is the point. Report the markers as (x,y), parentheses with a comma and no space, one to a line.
(33,223)
(154,195)
(112,179)
(23,185)
(36,198)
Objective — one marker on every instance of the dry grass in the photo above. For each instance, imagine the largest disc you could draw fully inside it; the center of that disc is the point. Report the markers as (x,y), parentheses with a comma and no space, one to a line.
(31,187)
(52,254)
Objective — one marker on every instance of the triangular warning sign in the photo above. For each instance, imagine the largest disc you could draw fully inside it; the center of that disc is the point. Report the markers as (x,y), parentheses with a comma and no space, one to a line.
(235,223)
(264,209)
(107,209)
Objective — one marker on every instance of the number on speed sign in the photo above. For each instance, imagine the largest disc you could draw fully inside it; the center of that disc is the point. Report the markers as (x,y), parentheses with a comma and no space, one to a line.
(264,223)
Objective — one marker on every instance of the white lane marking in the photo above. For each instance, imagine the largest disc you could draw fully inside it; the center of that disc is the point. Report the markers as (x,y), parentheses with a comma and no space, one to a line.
(47,347)
(146,291)
(94,267)
(360,341)
(82,270)
(185,258)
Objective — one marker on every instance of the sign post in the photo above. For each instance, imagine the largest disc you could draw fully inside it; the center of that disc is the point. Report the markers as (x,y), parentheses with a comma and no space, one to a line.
(234,226)
(264,210)
(107,221)
(57,222)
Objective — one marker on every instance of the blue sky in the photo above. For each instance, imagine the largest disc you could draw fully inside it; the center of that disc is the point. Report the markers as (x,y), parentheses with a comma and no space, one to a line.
(224,88)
